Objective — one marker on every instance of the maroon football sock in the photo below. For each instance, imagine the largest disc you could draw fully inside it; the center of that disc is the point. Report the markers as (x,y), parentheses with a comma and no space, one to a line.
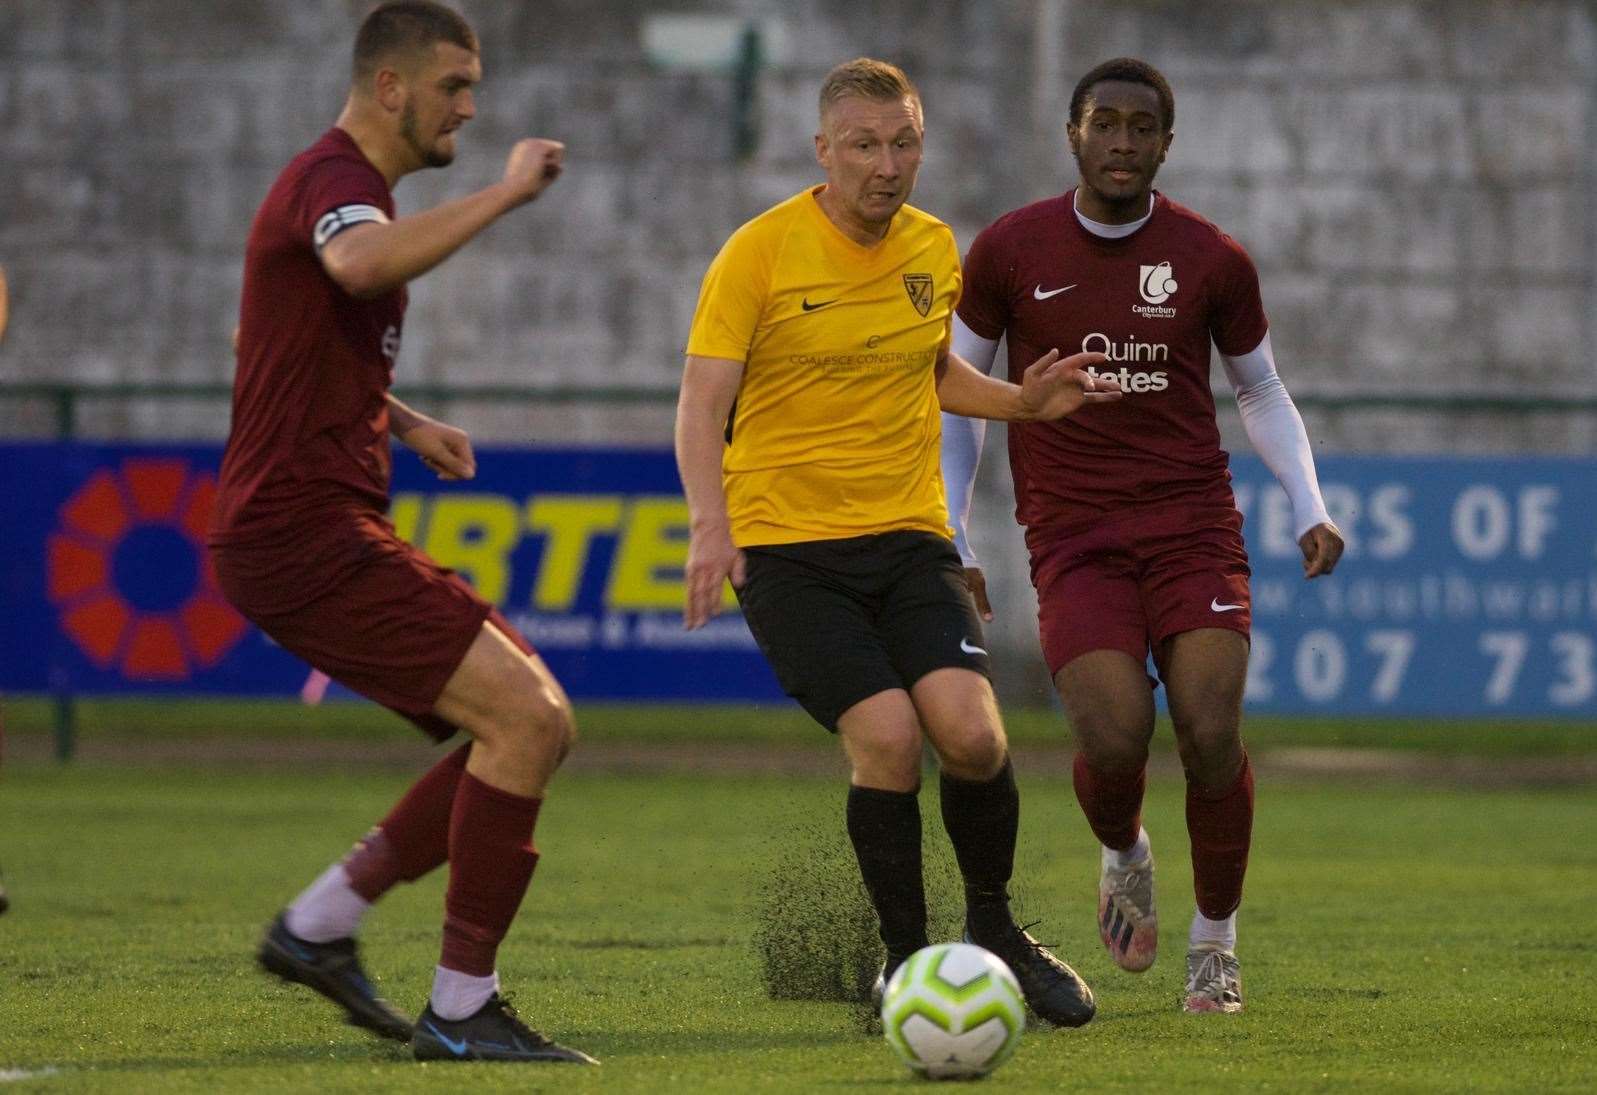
(1112,802)
(414,837)
(1221,829)
(491,857)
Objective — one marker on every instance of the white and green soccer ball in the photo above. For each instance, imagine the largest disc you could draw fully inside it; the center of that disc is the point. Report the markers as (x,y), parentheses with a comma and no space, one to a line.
(953,1011)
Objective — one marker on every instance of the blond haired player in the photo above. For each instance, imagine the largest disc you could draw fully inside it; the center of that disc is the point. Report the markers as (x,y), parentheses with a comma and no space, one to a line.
(807,437)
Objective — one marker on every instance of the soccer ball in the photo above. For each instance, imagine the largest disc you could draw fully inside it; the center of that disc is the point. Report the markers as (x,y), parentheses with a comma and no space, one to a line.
(953,1011)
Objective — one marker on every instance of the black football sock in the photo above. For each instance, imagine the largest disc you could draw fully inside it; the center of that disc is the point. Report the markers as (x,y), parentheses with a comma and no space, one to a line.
(982,818)
(885,829)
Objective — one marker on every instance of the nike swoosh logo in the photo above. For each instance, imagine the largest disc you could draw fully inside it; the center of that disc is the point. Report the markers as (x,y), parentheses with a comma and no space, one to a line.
(808,307)
(1216,606)
(965,645)
(457,1048)
(1040,295)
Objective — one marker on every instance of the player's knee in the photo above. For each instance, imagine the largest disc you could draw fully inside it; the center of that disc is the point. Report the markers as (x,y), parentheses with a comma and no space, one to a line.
(886,757)
(1210,760)
(1109,744)
(554,724)
(885,773)
(975,755)
(535,722)
(1208,736)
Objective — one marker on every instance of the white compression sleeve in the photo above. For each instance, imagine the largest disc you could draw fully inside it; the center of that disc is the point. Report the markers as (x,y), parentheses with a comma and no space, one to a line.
(1276,431)
(962,440)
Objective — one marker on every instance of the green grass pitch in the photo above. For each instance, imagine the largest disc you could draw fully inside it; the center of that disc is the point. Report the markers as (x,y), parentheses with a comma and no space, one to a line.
(1394,938)
(785,724)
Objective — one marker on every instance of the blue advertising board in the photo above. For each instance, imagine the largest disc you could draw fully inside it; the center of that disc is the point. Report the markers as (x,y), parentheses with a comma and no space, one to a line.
(106,587)
(1469,586)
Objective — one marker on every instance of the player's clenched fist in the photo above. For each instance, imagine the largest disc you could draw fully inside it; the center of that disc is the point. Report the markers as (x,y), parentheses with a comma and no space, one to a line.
(534,163)
(1322,548)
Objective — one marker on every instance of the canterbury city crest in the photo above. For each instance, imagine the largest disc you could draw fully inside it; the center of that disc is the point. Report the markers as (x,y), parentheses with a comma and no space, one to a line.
(919,288)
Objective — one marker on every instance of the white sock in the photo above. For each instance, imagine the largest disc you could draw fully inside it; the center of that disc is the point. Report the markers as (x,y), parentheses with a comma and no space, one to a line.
(329,908)
(458,995)
(1210,934)
(1119,861)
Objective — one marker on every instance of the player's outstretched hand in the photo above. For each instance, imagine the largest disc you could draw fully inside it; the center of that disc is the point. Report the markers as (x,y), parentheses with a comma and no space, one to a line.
(1322,547)
(534,163)
(977,581)
(1054,387)
(712,559)
(444,449)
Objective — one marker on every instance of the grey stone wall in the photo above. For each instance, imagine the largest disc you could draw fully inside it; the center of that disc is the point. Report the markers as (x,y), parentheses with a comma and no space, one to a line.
(1414,179)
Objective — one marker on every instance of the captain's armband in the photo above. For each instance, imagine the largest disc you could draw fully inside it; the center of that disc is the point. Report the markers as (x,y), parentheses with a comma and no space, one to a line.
(337,220)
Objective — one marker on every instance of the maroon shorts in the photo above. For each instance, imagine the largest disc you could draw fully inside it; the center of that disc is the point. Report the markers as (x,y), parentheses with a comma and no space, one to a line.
(355,601)
(1131,582)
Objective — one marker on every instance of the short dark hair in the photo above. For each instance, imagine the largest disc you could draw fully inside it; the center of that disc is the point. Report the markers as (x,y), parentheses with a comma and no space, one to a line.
(866,78)
(405,28)
(1128,70)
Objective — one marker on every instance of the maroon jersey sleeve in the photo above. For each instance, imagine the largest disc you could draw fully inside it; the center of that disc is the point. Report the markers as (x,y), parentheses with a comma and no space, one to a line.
(337,194)
(1237,322)
(984,305)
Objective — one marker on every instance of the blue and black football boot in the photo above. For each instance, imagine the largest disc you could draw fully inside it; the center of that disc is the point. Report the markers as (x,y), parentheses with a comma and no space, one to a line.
(332,969)
(494,1033)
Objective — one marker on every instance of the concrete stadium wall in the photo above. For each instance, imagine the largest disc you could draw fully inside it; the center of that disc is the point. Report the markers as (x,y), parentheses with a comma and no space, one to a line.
(1415,181)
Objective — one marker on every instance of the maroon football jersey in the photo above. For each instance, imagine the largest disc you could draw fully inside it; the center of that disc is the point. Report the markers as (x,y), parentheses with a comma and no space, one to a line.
(310,417)
(1152,301)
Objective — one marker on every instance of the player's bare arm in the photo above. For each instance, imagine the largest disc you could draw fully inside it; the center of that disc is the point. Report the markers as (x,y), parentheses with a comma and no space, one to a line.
(445,449)
(372,259)
(1052,387)
(709,387)
(5,307)
(1322,549)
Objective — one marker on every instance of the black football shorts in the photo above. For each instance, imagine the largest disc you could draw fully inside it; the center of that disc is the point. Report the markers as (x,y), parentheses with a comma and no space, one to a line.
(841,620)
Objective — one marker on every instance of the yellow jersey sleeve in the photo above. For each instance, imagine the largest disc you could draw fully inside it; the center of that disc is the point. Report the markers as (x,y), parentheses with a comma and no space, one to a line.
(733,295)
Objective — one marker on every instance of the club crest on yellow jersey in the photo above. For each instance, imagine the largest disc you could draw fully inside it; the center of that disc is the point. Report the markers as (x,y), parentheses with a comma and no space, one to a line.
(919,287)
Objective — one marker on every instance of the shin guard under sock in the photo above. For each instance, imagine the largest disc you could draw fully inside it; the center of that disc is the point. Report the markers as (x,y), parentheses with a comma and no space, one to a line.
(982,818)
(1112,802)
(414,838)
(885,829)
(1221,829)
(491,857)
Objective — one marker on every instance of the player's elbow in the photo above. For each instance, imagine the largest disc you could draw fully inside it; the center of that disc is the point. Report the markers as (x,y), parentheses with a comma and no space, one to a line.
(355,266)
(361,279)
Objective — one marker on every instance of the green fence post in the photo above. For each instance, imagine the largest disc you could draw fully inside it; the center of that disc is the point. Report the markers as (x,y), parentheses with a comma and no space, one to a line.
(66,714)
(66,726)
(745,92)
(66,425)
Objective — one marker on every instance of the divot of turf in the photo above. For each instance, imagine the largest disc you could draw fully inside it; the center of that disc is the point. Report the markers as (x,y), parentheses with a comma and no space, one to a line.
(815,933)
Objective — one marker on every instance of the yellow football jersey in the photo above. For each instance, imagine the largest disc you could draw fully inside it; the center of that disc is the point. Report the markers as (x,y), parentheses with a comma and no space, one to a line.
(836,431)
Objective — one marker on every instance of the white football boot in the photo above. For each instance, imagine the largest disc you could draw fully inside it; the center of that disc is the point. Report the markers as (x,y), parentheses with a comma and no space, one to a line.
(1214,981)
(1128,923)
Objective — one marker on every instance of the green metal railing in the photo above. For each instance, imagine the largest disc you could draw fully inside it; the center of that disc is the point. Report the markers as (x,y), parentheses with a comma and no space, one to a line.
(65,398)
